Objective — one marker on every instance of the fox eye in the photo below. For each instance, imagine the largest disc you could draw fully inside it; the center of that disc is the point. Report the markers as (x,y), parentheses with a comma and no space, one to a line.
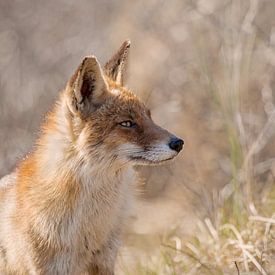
(127,124)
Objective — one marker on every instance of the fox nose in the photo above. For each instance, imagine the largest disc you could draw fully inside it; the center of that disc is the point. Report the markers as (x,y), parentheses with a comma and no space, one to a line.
(176,144)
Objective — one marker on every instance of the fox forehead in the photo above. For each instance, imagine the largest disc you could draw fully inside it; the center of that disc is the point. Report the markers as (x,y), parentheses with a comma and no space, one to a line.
(122,103)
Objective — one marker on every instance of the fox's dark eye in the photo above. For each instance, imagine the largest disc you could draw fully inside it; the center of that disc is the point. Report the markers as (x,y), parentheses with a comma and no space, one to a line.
(127,124)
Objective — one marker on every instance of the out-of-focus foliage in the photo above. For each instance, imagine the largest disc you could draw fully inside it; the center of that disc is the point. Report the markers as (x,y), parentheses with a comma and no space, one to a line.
(205,67)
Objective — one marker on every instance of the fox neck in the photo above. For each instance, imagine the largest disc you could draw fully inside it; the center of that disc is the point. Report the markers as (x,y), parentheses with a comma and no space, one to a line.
(61,150)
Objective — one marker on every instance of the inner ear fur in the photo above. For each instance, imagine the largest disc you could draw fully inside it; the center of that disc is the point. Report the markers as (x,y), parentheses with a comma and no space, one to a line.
(115,67)
(88,87)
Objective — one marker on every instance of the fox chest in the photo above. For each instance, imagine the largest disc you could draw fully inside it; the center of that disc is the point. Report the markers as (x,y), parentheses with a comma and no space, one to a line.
(94,220)
(81,235)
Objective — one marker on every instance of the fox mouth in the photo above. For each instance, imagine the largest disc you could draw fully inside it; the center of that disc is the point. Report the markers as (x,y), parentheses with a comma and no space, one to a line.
(145,161)
(153,155)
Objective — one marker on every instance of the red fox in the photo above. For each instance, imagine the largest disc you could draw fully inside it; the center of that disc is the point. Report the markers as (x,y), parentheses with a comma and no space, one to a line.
(62,209)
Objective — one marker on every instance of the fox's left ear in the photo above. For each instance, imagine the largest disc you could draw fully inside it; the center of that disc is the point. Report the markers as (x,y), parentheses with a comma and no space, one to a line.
(115,67)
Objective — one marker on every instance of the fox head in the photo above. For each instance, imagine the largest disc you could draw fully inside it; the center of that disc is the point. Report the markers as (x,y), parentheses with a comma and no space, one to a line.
(109,122)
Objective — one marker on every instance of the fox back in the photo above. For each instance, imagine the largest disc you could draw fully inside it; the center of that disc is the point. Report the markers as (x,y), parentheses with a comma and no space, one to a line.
(62,210)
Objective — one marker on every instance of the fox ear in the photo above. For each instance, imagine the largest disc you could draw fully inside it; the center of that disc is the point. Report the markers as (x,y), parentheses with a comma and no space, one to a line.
(114,68)
(88,86)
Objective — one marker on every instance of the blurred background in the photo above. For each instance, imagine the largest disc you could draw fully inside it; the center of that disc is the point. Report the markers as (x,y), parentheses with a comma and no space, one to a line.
(206,68)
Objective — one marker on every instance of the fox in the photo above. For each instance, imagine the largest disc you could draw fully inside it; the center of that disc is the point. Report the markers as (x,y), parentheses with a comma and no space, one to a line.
(64,207)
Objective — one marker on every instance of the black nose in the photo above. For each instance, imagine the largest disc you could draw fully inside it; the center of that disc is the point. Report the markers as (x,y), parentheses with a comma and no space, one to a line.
(176,144)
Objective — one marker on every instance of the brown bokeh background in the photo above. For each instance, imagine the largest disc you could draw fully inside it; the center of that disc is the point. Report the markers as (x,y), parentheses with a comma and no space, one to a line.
(199,65)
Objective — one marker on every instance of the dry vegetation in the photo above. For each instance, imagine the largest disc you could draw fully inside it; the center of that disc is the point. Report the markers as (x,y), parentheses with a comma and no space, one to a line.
(207,70)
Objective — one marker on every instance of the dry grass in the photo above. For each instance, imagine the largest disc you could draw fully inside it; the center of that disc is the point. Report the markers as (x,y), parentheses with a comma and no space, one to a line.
(222,250)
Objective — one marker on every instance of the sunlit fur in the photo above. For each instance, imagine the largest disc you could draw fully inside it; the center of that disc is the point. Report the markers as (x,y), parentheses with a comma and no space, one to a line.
(63,208)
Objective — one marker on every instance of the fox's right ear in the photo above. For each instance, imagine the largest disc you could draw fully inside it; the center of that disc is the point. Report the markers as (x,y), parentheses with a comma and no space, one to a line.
(87,87)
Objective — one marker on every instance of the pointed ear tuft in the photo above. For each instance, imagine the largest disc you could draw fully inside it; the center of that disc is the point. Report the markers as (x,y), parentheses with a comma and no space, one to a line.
(88,86)
(115,67)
